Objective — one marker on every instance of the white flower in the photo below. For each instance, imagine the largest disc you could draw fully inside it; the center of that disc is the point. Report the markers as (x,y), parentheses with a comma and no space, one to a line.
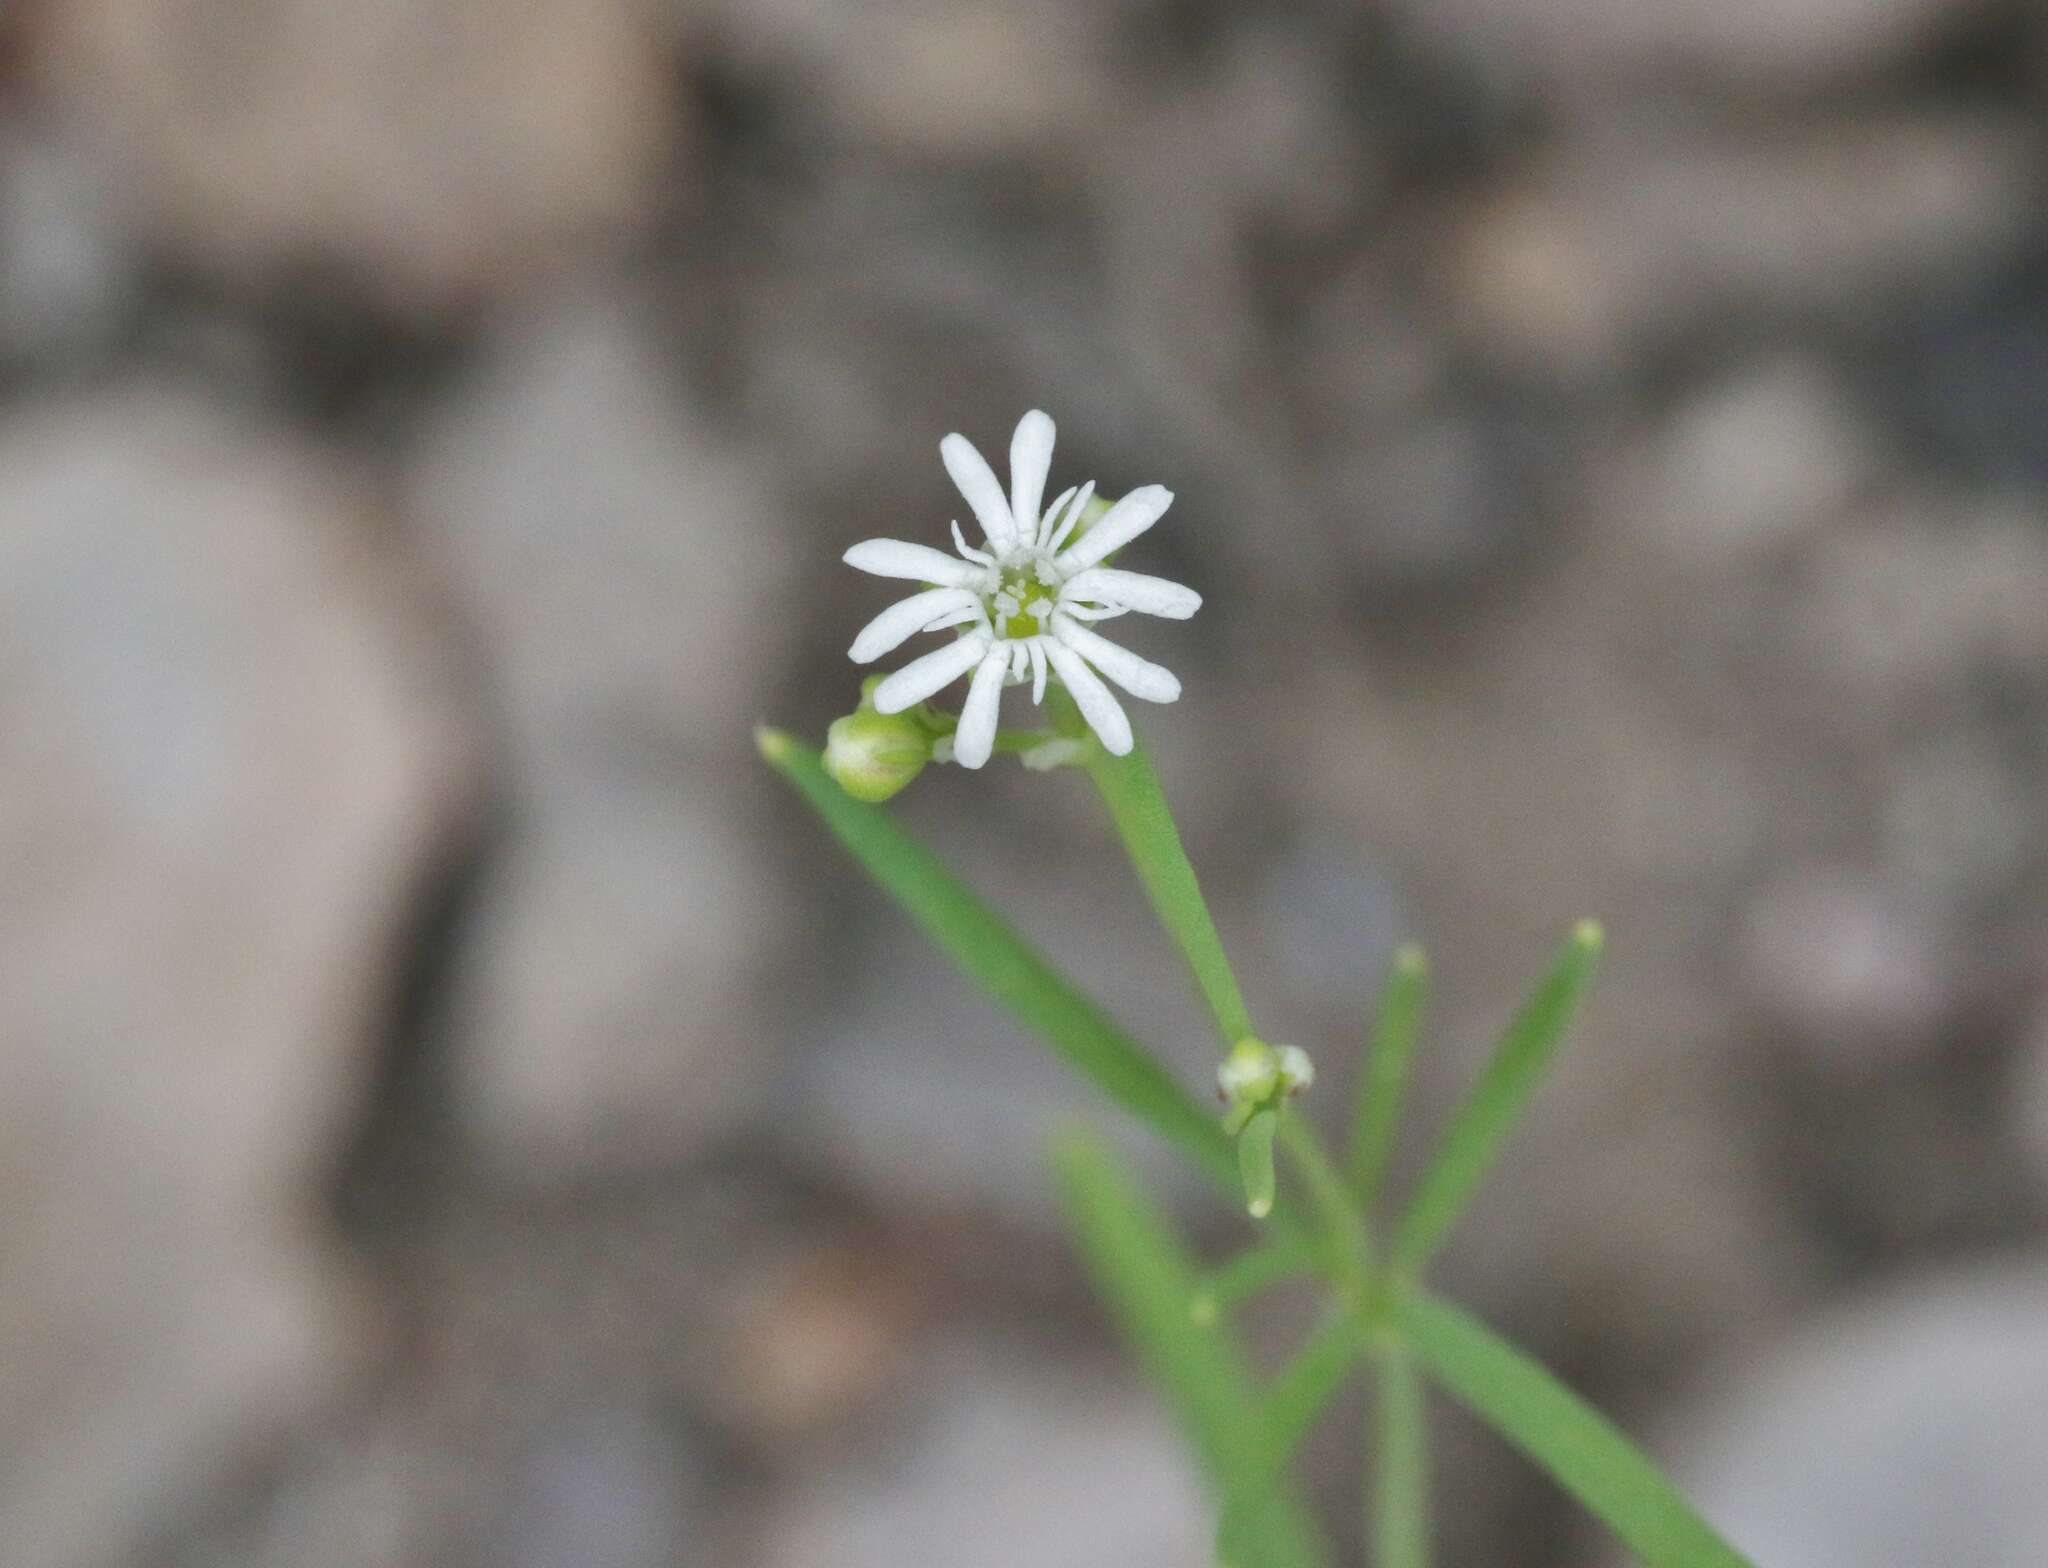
(1026,602)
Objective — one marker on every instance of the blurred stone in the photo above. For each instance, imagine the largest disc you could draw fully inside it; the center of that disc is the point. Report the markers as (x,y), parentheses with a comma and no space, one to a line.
(1967,377)
(1632,230)
(1438,498)
(1902,617)
(422,1484)
(1754,464)
(2029,1096)
(1784,44)
(1007,1458)
(813,1336)
(601,1489)
(69,282)
(1957,821)
(1860,972)
(229,751)
(1905,1430)
(621,564)
(427,156)
(927,78)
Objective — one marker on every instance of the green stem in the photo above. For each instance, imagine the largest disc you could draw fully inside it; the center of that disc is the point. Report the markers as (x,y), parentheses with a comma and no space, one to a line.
(1399,1527)
(1137,805)
(1332,1201)
(1012,741)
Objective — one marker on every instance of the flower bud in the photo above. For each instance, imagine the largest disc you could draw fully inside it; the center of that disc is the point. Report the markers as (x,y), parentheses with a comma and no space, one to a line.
(873,755)
(1297,1070)
(1250,1074)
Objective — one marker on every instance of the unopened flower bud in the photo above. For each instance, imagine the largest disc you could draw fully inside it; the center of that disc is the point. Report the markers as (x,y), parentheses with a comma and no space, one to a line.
(1297,1070)
(874,755)
(1250,1074)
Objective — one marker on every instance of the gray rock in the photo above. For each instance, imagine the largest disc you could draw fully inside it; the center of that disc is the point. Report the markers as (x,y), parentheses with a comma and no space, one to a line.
(1786,44)
(1756,463)
(621,565)
(228,749)
(2029,1098)
(1002,1459)
(428,155)
(1906,1429)
(69,279)
(1862,972)
(1631,230)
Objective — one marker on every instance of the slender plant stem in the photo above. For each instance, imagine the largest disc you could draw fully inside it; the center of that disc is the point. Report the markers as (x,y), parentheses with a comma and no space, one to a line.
(1333,1203)
(1137,805)
(1012,741)
(1399,1526)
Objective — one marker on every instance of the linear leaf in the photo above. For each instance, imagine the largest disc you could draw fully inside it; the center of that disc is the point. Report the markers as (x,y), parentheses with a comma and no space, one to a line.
(1584,1451)
(1250,1272)
(1149,1280)
(1306,1385)
(1138,807)
(1495,1101)
(991,953)
(1383,1086)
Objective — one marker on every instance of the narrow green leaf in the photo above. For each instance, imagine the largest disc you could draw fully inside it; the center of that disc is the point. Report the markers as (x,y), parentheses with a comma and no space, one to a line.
(1251,1271)
(1137,805)
(1383,1086)
(1584,1451)
(1149,1279)
(1306,1385)
(1495,1101)
(1255,1162)
(991,953)
(1399,1527)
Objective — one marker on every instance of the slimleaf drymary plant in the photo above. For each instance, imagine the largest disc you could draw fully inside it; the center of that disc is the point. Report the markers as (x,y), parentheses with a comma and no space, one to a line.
(1021,607)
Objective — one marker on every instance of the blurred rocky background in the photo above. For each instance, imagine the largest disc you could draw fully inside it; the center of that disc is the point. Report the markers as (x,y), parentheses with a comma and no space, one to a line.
(455,1111)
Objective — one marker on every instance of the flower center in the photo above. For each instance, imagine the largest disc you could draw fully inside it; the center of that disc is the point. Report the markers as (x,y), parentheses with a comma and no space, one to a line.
(1026,589)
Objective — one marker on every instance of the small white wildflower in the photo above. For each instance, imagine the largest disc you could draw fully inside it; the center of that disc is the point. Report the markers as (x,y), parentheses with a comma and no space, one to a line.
(1026,602)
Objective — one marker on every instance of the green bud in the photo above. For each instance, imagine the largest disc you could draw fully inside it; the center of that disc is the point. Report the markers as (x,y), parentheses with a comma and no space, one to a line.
(1250,1074)
(874,755)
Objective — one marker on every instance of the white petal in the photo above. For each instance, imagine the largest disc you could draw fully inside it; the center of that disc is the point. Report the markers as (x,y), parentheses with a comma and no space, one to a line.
(1133,591)
(1097,706)
(1037,647)
(904,619)
(917,563)
(1080,505)
(976,736)
(1118,526)
(1139,677)
(978,485)
(968,552)
(1030,462)
(1043,531)
(919,678)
